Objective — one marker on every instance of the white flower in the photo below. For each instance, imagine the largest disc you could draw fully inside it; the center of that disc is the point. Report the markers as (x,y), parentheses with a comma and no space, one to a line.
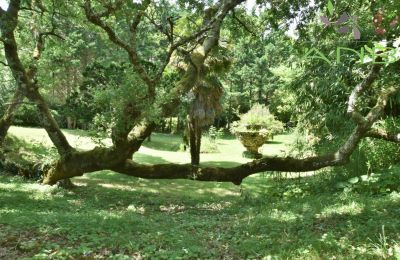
(396,43)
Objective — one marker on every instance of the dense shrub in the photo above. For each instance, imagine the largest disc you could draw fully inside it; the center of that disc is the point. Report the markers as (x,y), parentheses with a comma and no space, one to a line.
(258,118)
(209,145)
(27,115)
(375,183)
(381,154)
(375,155)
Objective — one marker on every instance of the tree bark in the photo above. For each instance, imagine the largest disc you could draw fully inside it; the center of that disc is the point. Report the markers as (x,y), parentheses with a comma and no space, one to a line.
(384,135)
(6,120)
(25,77)
(194,140)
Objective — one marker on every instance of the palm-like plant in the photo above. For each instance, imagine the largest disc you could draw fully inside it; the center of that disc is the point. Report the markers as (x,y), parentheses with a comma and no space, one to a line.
(206,100)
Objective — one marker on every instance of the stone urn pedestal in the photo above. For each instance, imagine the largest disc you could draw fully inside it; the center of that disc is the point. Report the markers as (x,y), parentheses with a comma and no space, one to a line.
(252,141)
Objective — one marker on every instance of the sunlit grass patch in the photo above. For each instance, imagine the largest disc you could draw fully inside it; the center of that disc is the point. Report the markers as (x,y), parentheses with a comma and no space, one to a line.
(350,208)
(163,217)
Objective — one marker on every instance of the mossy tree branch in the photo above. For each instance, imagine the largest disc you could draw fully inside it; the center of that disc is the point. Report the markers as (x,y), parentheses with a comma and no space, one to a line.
(25,77)
(383,135)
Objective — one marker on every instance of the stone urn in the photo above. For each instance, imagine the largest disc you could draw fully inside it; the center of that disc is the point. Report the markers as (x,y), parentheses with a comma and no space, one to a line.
(253,140)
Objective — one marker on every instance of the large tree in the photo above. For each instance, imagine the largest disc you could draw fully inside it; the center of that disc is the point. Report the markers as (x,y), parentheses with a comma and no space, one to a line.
(194,32)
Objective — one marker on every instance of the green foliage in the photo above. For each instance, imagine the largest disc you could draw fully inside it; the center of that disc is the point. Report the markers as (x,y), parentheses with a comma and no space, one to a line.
(378,153)
(330,8)
(283,104)
(20,154)
(27,115)
(256,119)
(210,142)
(215,133)
(375,183)
(251,79)
(209,145)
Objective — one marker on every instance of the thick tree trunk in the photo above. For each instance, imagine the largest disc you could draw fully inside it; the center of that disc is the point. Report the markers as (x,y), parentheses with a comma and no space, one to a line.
(70,122)
(99,159)
(194,141)
(78,163)
(170,125)
(6,120)
(178,124)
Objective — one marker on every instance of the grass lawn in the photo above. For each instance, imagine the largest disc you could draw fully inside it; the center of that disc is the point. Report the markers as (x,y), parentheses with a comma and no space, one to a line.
(109,215)
(163,148)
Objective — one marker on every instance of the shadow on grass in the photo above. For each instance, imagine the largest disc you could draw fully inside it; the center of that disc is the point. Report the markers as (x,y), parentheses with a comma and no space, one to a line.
(273,142)
(213,220)
(164,142)
(149,159)
(162,145)
(223,164)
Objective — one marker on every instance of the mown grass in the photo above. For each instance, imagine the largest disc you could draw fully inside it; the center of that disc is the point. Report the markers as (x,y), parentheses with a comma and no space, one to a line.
(114,216)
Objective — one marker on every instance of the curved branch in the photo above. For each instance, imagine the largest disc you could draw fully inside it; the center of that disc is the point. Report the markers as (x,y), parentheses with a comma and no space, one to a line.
(99,159)
(245,26)
(25,82)
(383,135)
(378,110)
(131,50)
(352,110)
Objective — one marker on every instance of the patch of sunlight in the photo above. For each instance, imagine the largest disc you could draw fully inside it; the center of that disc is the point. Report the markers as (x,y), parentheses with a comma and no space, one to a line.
(110,215)
(8,211)
(307,207)
(136,209)
(28,187)
(7,186)
(38,135)
(218,191)
(214,206)
(36,191)
(39,197)
(283,216)
(117,186)
(352,208)
(47,189)
(80,184)
(83,177)
(171,208)
(395,196)
(330,239)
